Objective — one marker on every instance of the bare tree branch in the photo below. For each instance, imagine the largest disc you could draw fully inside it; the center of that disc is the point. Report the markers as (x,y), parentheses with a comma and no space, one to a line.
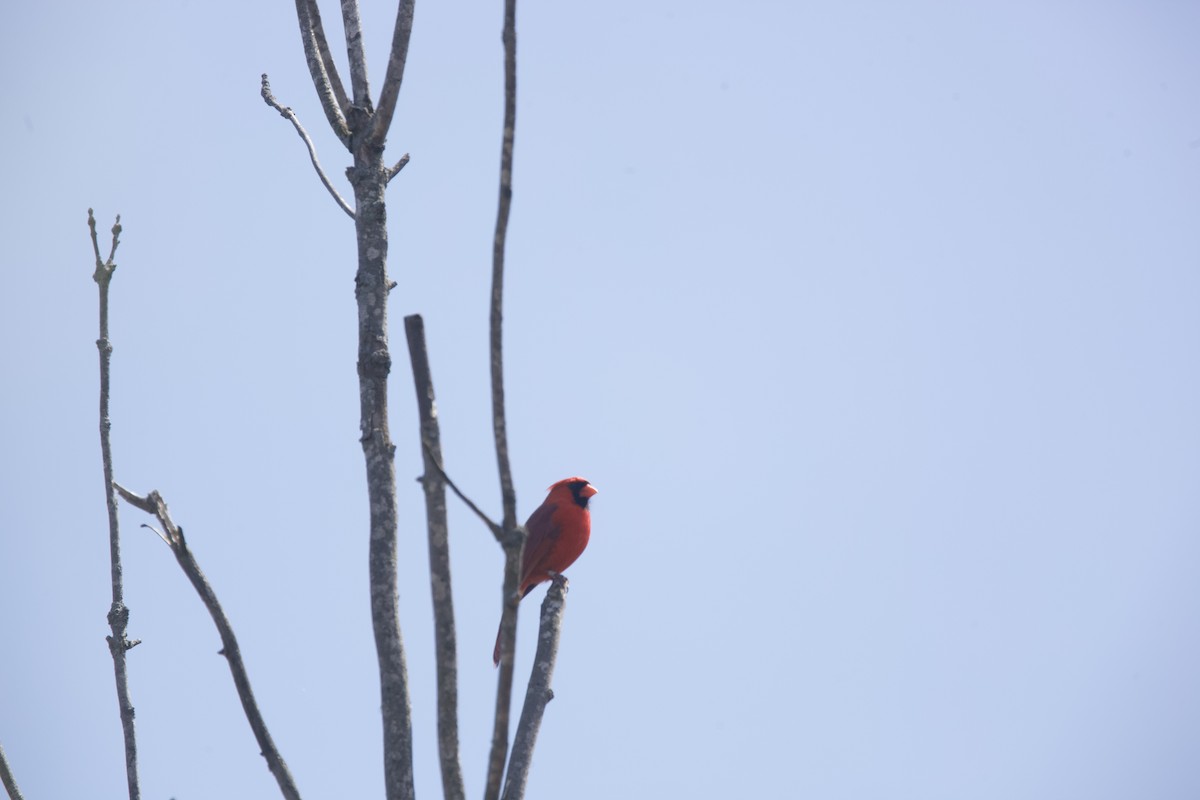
(538,694)
(324,72)
(374,364)
(358,59)
(445,644)
(499,424)
(335,81)
(492,526)
(513,538)
(118,613)
(372,287)
(290,115)
(370,177)
(394,170)
(382,120)
(7,780)
(154,504)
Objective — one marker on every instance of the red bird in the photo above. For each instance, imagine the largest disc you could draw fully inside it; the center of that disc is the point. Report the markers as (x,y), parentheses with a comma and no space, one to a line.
(558,533)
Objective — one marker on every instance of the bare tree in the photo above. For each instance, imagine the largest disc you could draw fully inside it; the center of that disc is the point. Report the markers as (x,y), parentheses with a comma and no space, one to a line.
(362,132)
(361,125)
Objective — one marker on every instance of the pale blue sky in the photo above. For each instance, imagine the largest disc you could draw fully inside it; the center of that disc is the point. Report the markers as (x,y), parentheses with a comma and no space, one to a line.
(875,325)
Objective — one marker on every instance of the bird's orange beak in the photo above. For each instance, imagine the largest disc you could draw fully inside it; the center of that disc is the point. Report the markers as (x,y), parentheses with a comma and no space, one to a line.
(588,491)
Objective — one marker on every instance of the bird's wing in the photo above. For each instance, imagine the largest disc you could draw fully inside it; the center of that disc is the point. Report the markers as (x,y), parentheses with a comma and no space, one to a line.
(543,530)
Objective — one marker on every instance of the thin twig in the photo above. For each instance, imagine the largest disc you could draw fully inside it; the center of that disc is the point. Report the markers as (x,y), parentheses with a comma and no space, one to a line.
(290,115)
(445,645)
(382,120)
(322,69)
(394,170)
(6,778)
(442,474)
(154,504)
(118,613)
(513,537)
(539,693)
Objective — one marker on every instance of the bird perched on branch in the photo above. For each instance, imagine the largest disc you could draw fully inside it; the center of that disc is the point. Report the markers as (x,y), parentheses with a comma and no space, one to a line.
(558,533)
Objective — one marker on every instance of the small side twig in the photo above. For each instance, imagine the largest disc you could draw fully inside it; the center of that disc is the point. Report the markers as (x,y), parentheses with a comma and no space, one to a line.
(6,778)
(437,467)
(445,643)
(154,504)
(290,115)
(118,612)
(538,694)
(394,170)
(513,539)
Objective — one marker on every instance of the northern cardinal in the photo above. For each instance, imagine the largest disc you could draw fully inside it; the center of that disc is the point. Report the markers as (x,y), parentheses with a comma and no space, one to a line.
(558,533)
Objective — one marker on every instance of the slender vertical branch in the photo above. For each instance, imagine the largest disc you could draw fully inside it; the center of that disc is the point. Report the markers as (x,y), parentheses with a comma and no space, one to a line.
(395,74)
(538,694)
(369,178)
(499,424)
(322,42)
(359,87)
(513,538)
(118,613)
(322,69)
(445,645)
(7,780)
(172,534)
